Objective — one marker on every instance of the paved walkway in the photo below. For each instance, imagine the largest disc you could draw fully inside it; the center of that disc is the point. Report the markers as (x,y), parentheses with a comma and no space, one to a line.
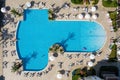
(46,75)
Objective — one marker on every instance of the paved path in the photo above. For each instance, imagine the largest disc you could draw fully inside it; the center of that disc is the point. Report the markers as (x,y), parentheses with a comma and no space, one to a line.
(102,19)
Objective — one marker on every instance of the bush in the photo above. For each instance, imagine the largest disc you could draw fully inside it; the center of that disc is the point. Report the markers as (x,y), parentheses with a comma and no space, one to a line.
(13,11)
(16,67)
(109,3)
(75,77)
(113,16)
(113,55)
(51,15)
(77,1)
(78,73)
(95,2)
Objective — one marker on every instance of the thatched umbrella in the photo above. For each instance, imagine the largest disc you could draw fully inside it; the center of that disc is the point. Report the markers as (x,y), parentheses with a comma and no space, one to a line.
(62,71)
(55,54)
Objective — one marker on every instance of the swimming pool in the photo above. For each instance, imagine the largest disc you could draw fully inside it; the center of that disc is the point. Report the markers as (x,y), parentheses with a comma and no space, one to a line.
(36,34)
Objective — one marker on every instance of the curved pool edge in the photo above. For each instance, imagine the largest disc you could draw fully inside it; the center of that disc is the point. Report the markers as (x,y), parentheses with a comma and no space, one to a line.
(18,51)
(106,37)
(66,20)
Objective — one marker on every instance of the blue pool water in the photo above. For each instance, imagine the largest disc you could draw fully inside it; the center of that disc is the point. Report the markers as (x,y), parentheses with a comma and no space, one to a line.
(36,34)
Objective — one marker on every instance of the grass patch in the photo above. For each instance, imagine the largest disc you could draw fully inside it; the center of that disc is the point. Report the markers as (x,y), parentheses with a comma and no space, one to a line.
(77,1)
(109,3)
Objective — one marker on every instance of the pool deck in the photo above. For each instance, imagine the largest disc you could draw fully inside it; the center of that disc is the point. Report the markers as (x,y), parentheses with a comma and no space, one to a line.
(52,74)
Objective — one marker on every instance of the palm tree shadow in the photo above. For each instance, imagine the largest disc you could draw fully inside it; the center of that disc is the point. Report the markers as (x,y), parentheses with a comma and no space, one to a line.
(27,59)
(70,37)
(63,43)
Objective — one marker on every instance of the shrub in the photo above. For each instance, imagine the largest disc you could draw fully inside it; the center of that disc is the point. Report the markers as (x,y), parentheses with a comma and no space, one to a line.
(16,67)
(113,16)
(75,77)
(113,55)
(109,3)
(95,2)
(13,11)
(77,1)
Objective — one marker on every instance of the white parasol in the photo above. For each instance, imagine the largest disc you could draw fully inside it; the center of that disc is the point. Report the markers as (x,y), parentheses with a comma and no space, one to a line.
(92,56)
(90,64)
(3,10)
(94,16)
(87,16)
(80,16)
(28,4)
(59,76)
(93,9)
(51,58)
(118,52)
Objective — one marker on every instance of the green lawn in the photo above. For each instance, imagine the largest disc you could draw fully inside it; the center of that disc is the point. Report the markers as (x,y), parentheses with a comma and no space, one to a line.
(109,3)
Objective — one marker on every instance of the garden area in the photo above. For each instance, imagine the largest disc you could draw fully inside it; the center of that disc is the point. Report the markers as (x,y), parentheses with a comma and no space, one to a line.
(82,72)
(109,3)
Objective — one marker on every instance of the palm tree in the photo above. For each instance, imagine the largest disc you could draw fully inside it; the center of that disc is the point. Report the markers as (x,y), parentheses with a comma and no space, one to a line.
(13,11)
(16,67)
(51,14)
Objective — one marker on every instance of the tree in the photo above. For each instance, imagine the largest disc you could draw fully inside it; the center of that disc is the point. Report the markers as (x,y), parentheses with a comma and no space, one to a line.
(13,11)
(113,55)
(16,67)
